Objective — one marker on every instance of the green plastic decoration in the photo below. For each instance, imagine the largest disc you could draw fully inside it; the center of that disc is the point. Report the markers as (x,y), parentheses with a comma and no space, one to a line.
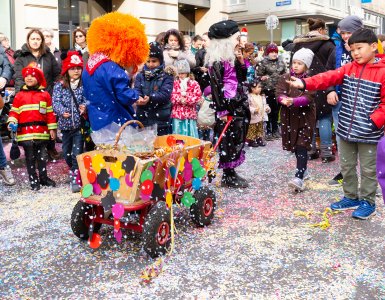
(87,190)
(146,175)
(188,199)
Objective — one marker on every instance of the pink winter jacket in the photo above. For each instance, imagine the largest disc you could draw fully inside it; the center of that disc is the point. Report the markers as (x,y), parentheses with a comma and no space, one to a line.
(186,110)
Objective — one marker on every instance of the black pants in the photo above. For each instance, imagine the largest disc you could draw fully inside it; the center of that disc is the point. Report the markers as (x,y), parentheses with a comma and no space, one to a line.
(272,123)
(36,153)
(301,155)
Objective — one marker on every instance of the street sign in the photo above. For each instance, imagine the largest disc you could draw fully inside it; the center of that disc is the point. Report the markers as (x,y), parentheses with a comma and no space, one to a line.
(366,1)
(271,22)
(287,2)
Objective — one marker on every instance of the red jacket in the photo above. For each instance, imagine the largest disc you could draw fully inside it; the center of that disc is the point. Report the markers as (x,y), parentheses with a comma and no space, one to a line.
(32,111)
(193,96)
(362,113)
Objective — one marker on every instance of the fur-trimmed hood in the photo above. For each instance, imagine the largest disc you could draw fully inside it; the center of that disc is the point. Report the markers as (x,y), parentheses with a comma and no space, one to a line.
(170,70)
(310,38)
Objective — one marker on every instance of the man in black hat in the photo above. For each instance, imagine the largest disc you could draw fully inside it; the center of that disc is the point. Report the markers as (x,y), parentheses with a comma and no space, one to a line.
(229,96)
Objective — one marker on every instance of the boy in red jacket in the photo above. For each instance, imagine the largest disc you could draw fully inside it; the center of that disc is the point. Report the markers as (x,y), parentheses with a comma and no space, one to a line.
(361,119)
(32,112)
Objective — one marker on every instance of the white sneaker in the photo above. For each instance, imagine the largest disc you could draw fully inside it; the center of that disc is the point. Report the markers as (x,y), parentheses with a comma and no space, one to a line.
(7,176)
(297,184)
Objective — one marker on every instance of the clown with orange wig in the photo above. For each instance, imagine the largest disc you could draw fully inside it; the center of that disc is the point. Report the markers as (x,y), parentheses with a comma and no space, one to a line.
(118,45)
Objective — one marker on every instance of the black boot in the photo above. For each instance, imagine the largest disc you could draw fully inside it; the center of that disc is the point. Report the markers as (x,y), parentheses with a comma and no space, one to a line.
(231,179)
(260,142)
(243,182)
(47,182)
(34,181)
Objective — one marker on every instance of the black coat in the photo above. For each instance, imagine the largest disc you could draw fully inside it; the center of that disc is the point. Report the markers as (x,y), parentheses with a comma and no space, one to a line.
(47,62)
(202,78)
(231,147)
(324,60)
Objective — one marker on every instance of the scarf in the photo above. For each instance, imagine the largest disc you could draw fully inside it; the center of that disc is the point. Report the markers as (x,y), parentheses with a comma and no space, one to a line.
(82,50)
(150,74)
(74,84)
(300,76)
(183,86)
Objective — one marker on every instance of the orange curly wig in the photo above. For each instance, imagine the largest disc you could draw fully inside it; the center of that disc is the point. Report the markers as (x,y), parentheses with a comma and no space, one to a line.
(119,36)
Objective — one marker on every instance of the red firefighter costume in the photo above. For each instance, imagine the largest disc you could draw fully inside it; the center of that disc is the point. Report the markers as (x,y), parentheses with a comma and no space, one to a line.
(32,111)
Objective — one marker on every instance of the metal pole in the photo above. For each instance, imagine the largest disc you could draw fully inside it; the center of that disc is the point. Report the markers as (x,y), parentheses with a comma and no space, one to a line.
(70,26)
(271,35)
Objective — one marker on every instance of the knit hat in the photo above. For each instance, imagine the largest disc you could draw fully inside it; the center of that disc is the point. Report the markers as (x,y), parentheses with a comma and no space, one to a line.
(119,36)
(223,29)
(305,55)
(350,24)
(271,48)
(207,91)
(32,69)
(73,59)
(182,66)
(156,51)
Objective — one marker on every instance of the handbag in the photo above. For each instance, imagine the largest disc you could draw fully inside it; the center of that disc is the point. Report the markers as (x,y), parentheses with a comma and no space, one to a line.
(85,126)
(206,115)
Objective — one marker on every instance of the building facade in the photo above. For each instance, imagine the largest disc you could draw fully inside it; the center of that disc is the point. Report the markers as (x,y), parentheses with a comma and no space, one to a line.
(189,16)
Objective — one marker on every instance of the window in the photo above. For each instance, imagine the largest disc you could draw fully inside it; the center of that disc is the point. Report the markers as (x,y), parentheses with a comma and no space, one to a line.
(235,2)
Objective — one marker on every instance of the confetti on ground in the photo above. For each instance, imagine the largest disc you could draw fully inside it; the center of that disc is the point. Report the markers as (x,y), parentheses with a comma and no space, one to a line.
(256,247)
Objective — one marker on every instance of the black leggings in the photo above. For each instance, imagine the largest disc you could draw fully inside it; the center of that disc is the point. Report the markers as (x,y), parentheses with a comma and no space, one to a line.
(301,155)
(272,123)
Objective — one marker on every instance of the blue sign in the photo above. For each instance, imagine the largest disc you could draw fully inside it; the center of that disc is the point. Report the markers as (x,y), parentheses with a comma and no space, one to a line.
(366,1)
(287,2)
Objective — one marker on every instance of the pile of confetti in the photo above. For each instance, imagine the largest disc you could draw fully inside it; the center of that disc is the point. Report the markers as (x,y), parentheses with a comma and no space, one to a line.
(256,248)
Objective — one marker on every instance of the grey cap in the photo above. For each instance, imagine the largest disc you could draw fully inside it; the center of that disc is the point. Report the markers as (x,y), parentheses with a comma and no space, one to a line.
(182,66)
(350,24)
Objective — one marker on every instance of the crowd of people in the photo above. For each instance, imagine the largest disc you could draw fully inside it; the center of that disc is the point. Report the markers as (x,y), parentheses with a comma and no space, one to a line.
(196,86)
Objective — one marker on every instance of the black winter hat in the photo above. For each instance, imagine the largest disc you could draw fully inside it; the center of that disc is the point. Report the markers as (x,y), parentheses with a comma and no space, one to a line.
(156,51)
(223,29)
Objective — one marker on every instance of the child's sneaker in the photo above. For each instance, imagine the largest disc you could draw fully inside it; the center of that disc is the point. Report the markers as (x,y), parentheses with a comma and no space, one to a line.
(7,176)
(306,175)
(297,184)
(364,211)
(345,204)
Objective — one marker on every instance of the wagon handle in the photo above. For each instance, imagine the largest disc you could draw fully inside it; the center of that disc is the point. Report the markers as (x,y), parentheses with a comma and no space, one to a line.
(229,119)
(122,128)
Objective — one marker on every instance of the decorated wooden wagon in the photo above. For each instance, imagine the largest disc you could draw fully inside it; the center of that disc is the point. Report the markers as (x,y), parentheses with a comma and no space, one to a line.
(117,183)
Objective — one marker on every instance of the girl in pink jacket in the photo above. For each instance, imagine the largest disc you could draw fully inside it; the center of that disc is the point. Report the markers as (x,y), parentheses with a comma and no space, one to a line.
(184,98)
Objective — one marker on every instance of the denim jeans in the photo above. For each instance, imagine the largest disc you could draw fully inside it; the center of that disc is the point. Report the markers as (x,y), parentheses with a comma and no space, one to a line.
(3,159)
(73,144)
(335,110)
(325,129)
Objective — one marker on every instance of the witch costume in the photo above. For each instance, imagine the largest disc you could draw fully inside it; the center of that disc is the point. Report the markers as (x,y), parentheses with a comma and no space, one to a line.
(227,78)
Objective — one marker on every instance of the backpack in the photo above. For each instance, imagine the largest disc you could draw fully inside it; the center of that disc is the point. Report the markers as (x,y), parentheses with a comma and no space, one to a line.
(206,115)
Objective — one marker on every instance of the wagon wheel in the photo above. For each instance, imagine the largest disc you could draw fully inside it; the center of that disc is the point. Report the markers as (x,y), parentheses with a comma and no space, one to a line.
(202,211)
(157,230)
(81,221)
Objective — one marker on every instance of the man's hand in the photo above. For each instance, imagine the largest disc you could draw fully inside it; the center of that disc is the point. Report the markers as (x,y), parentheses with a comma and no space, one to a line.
(295,82)
(265,77)
(52,133)
(332,98)
(3,82)
(66,115)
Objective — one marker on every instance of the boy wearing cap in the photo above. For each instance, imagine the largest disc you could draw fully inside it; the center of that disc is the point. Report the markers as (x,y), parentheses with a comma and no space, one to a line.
(154,85)
(361,119)
(32,112)
(269,71)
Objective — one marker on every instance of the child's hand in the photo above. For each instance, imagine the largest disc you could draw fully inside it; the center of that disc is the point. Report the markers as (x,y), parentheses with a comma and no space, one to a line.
(332,98)
(287,101)
(10,125)
(66,115)
(267,109)
(82,108)
(52,133)
(295,82)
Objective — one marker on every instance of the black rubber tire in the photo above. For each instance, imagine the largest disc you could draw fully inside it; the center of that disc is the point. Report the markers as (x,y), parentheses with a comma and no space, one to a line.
(158,215)
(78,224)
(197,209)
